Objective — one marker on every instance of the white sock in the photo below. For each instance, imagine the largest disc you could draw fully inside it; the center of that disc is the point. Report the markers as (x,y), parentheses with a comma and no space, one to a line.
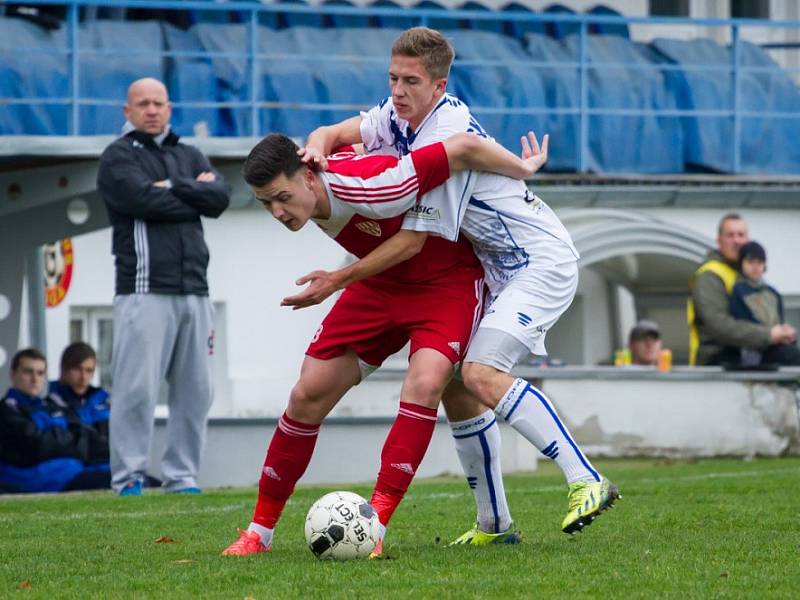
(529,412)
(478,446)
(264,532)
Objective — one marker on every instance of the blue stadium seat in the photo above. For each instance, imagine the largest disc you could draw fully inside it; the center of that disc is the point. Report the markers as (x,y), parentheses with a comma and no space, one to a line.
(395,22)
(518,28)
(127,51)
(293,83)
(511,85)
(619,29)
(297,19)
(560,30)
(30,67)
(765,143)
(345,20)
(482,24)
(628,143)
(778,93)
(436,22)
(190,79)
(560,87)
(355,85)
(232,72)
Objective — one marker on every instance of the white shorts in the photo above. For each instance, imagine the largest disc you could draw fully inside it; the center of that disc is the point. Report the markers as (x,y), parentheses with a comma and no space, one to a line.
(529,304)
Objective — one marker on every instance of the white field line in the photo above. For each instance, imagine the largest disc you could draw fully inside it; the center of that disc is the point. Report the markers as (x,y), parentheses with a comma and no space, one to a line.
(547,489)
(416,495)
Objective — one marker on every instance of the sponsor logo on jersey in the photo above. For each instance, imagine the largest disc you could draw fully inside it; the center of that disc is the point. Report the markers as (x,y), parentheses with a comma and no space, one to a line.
(271,473)
(455,347)
(420,211)
(369,227)
(404,467)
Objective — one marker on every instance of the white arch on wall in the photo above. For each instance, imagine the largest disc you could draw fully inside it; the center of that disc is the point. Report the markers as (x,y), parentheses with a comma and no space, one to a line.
(600,234)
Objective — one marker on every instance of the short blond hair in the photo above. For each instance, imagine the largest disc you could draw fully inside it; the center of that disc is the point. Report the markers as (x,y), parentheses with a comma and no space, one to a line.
(428,44)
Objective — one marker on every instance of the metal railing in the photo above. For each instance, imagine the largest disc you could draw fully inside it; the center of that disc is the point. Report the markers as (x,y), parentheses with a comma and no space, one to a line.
(250,13)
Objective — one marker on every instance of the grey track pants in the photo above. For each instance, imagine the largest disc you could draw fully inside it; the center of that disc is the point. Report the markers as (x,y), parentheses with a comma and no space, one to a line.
(158,337)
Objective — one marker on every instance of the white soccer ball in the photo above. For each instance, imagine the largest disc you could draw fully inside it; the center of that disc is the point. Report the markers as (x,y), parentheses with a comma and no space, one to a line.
(342,526)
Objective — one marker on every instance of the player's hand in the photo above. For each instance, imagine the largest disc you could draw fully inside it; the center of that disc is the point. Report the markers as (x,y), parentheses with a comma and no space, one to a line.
(532,155)
(313,158)
(321,285)
(206,177)
(164,183)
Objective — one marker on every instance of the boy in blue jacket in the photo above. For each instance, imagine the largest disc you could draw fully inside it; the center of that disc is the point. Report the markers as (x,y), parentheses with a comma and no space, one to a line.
(754,300)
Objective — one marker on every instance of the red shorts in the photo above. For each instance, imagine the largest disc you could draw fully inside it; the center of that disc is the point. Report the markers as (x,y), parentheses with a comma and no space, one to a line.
(375,321)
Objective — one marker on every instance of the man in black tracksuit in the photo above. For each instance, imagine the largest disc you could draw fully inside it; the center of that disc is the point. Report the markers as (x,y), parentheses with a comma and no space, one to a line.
(156,189)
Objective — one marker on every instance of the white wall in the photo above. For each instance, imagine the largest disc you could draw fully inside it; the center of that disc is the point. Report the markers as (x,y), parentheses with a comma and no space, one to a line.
(776,230)
(254,262)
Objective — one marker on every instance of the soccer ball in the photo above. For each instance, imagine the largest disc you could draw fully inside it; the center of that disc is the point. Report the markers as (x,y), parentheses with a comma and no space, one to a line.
(342,526)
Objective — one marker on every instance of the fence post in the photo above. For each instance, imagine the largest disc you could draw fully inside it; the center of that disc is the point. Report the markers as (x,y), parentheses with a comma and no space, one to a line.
(737,119)
(583,135)
(252,40)
(74,68)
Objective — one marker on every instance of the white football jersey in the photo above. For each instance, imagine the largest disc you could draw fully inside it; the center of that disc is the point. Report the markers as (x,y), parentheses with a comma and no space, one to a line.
(510,228)
(382,129)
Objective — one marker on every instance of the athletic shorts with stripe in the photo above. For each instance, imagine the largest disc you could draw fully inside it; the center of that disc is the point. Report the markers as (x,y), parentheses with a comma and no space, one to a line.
(375,321)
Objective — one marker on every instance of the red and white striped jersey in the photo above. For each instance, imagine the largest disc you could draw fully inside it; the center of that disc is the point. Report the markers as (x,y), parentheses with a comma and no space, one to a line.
(369,196)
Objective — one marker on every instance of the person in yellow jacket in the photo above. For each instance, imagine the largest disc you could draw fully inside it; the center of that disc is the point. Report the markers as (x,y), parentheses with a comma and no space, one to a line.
(711,324)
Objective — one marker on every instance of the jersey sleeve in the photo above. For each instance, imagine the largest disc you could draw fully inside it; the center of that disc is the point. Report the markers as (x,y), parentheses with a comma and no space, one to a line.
(381,187)
(441,211)
(375,126)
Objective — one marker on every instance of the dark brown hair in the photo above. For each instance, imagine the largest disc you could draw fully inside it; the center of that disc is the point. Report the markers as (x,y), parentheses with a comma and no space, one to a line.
(75,354)
(32,353)
(275,155)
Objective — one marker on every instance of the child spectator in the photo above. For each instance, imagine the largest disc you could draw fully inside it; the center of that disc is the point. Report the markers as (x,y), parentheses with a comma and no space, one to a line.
(754,300)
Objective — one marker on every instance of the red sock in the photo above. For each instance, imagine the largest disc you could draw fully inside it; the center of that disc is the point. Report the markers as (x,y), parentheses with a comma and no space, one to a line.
(287,458)
(403,450)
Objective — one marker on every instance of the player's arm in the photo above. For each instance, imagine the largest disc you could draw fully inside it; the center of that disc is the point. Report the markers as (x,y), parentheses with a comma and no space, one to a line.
(323,140)
(466,151)
(402,246)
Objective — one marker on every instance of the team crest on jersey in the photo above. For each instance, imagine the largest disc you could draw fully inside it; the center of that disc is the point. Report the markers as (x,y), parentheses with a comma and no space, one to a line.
(369,227)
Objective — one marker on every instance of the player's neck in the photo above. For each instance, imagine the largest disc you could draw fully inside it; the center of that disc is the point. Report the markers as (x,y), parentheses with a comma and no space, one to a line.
(414,125)
(322,208)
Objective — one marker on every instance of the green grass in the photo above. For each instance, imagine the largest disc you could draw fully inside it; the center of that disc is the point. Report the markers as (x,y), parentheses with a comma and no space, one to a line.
(711,528)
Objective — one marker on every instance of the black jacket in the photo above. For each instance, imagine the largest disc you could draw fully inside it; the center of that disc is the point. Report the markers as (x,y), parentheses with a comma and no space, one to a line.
(87,417)
(158,237)
(33,431)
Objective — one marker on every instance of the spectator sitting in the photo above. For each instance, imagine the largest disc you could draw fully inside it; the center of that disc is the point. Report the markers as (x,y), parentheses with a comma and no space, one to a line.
(712,327)
(88,406)
(644,343)
(38,452)
(756,301)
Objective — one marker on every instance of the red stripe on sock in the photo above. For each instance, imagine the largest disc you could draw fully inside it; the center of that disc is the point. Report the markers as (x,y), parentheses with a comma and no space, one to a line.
(402,454)
(287,459)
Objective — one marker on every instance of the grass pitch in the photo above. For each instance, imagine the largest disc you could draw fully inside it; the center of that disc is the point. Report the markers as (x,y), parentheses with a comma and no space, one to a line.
(721,528)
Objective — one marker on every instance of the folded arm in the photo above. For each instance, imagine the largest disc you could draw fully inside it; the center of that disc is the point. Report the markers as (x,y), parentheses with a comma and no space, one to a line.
(207,192)
(128,190)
